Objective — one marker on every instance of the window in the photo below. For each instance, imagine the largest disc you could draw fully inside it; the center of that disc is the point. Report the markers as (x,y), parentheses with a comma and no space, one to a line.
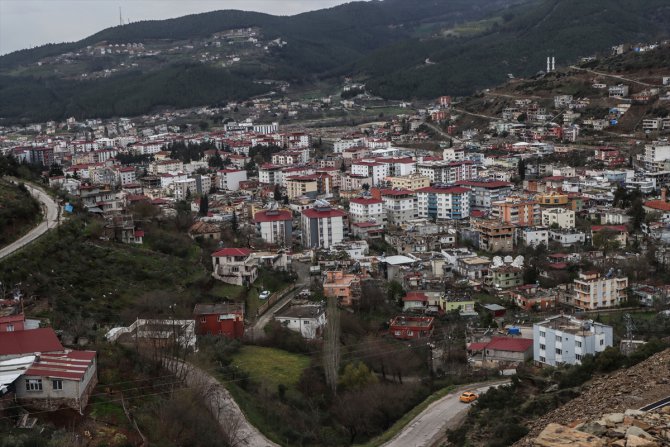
(543,360)
(203,320)
(602,342)
(10,328)
(559,338)
(410,333)
(543,347)
(559,351)
(578,344)
(543,334)
(33,384)
(578,357)
(57,384)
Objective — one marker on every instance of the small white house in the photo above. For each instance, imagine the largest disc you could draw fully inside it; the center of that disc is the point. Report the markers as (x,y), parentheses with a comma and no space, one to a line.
(307,319)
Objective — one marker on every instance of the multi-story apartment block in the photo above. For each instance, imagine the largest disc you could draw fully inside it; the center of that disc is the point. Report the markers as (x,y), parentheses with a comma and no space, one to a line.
(184,188)
(374,169)
(322,226)
(447,172)
(367,209)
(270,174)
(515,210)
(566,340)
(494,236)
(560,217)
(229,179)
(412,181)
(275,226)
(656,155)
(593,291)
(443,202)
(400,205)
(301,185)
(485,192)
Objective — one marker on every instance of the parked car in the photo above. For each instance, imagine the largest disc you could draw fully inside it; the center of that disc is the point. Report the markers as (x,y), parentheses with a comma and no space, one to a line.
(468,397)
(264,295)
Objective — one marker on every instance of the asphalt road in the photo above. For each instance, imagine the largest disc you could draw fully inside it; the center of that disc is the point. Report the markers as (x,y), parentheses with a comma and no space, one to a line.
(428,427)
(237,430)
(49,209)
(256,330)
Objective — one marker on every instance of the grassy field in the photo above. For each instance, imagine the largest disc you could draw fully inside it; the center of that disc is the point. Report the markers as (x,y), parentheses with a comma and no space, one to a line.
(270,366)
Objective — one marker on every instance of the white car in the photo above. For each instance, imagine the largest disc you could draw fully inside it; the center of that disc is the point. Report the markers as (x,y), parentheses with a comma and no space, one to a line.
(264,295)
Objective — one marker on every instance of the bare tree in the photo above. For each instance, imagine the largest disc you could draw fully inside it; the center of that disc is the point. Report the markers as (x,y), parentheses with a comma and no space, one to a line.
(331,348)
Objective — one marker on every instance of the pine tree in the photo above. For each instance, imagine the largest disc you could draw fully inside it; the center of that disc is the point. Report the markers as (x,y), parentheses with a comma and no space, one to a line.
(204,205)
(522,170)
(233,222)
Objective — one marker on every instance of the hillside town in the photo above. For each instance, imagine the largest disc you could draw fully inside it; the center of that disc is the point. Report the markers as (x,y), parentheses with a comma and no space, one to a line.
(532,233)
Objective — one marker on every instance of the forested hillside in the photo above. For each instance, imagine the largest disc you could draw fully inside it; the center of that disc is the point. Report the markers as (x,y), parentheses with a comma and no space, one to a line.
(402,48)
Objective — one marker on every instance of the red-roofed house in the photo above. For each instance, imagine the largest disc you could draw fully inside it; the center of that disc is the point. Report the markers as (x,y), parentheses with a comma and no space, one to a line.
(234,266)
(409,328)
(59,379)
(275,226)
(414,301)
(19,343)
(12,323)
(509,349)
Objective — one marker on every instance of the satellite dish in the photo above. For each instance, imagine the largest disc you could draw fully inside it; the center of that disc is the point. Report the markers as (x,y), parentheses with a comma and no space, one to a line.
(497,261)
(508,259)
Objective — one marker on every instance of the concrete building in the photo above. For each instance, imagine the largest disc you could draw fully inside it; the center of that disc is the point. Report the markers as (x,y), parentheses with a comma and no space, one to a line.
(367,209)
(410,328)
(302,185)
(593,291)
(411,182)
(560,217)
(447,172)
(655,155)
(229,179)
(494,236)
(370,168)
(226,319)
(517,210)
(485,192)
(400,205)
(346,287)
(443,202)
(234,266)
(275,226)
(566,340)
(184,189)
(308,320)
(322,226)
(532,237)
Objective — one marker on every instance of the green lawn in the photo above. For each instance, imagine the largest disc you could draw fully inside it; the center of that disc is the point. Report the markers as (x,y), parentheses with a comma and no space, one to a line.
(270,366)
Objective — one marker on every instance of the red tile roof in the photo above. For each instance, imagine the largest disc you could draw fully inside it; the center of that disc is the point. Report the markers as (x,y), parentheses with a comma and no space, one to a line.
(660,205)
(365,201)
(484,184)
(272,216)
(415,296)
(448,190)
(72,365)
(618,228)
(314,213)
(396,192)
(224,252)
(29,342)
(510,344)
(477,346)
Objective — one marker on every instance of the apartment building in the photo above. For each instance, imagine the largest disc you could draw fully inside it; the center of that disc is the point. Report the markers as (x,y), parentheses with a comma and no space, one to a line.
(560,217)
(443,202)
(322,226)
(517,210)
(566,340)
(594,291)
(367,209)
(400,205)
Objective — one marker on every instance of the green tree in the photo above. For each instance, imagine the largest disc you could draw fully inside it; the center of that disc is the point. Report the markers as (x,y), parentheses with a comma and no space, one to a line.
(204,205)
(522,170)
(356,376)
(637,213)
(233,222)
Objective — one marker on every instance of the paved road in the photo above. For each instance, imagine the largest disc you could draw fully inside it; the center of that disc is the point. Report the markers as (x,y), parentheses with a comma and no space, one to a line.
(49,208)
(256,330)
(427,428)
(237,430)
(621,78)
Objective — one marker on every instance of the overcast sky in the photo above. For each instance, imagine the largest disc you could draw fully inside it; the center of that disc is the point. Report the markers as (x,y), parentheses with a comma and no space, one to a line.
(29,23)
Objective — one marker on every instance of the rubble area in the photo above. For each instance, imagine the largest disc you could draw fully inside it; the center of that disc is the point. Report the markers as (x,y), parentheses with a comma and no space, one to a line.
(622,390)
(632,428)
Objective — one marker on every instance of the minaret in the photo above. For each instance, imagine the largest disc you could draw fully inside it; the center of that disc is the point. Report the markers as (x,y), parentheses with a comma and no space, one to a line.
(553,63)
(548,64)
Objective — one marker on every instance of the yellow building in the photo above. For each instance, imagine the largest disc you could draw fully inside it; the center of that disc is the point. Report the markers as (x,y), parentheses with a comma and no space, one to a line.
(553,199)
(412,181)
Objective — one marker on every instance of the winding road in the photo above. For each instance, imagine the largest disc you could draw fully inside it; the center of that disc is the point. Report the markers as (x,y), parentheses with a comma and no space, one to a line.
(51,220)
(427,428)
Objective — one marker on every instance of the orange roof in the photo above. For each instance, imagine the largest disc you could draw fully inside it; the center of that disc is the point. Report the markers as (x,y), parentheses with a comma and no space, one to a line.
(660,205)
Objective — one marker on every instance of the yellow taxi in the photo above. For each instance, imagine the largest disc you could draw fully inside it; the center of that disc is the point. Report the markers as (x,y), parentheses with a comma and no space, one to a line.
(468,397)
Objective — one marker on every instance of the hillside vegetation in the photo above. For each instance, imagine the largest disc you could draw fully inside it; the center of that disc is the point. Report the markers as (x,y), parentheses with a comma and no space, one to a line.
(19,212)
(417,49)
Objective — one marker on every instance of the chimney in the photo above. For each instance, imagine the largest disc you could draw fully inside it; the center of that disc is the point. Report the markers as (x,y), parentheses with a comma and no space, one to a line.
(664,192)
